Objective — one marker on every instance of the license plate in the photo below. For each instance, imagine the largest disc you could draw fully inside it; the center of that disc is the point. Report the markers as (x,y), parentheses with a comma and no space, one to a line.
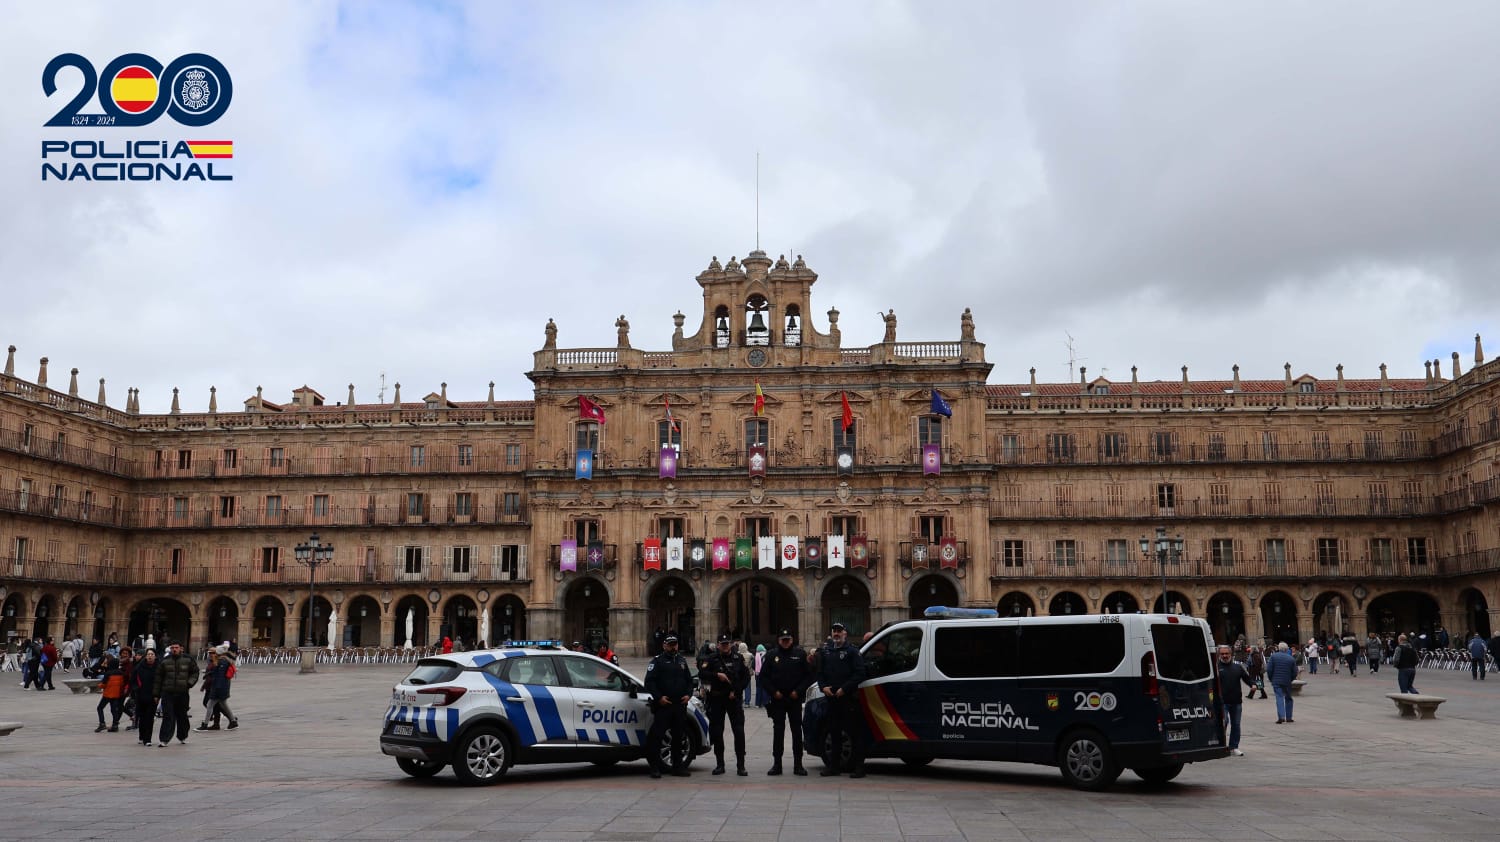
(401,730)
(1178,736)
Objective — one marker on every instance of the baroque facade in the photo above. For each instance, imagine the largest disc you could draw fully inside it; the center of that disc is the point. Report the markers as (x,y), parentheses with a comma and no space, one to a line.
(1303,504)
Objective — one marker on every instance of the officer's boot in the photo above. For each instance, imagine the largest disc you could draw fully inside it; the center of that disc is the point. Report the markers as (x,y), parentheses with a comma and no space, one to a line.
(739,766)
(719,764)
(775,767)
(858,771)
(797,768)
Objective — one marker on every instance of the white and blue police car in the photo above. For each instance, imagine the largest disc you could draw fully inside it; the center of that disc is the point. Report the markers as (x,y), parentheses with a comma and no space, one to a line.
(528,702)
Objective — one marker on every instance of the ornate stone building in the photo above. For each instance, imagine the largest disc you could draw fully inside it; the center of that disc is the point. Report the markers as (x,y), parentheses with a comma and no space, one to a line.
(676,489)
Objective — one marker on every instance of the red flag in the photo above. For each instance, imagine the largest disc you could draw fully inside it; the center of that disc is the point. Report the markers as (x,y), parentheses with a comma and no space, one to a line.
(671,422)
(848,412)
(760,400)
(590,411)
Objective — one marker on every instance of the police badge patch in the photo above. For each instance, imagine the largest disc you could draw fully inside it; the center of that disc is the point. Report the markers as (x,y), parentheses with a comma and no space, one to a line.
(195,89)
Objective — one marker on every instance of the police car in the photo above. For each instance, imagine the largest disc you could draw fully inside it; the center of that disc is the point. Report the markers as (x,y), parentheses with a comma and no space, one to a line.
(1090,694)
(529,702)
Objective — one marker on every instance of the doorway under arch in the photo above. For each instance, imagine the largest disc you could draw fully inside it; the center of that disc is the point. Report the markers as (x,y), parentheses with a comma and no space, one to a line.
(1119,602)
(166,620)
(362,626)
(411,621)
(586,613)
(1476,613)
(1278,616)
(1404,611)
(508,620)
(1226,616)
(756,609)
(1177,603)
(1330,614)
(268,623)
(1066,604)
(929,591)
(223,620)
(46,612)
(1016,604)
(846,600)
(670,607)
(460,621)
(321,610)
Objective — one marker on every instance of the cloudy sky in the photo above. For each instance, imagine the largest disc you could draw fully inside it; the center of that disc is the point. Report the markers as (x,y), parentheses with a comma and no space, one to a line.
(418,188)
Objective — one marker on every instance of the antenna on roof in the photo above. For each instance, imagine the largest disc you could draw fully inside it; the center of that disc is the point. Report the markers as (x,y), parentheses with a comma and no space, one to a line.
(1073,358)
(381,398)
(757,200)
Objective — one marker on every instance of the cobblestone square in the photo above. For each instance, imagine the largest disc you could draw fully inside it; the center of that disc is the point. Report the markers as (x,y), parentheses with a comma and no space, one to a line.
(305,765)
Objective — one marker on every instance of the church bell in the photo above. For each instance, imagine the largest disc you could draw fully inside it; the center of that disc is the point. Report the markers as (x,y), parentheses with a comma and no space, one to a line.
(757,323)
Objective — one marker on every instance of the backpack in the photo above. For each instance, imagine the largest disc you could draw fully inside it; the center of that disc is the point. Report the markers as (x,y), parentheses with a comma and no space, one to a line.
(229,673)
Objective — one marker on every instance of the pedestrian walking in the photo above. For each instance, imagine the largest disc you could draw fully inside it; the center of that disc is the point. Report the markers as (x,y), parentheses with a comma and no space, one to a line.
(1374,652)
(1255,665)
(175,676)
(1405,661)
(1477,654)
(1313,652)
(785,676)
(1349,649)
(67,655)
(669,683)
(840,668)
(724,677)
(49,663)
(111,695)
(143,687)
(1281,671)
(759,695)
(1231,675)
(217,680)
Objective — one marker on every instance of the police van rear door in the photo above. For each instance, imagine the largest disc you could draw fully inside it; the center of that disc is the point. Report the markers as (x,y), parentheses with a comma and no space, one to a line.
(1185,681)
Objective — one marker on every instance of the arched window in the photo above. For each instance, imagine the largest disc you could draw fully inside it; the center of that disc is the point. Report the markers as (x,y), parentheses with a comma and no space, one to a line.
(792,329)
(757,331)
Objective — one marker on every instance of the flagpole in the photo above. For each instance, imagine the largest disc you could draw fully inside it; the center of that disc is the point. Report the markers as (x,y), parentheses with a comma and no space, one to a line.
(757,200)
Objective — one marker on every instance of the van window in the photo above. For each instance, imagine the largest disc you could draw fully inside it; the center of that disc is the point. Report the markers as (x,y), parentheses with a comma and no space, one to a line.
(893,653)
(1181,652)
(1071,648)
(975,651)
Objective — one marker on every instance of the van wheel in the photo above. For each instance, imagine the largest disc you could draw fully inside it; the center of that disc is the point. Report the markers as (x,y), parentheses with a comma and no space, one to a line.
(1087,762)
(481,757)
(845,749)
(916,762)
(419,768)
(1159,775)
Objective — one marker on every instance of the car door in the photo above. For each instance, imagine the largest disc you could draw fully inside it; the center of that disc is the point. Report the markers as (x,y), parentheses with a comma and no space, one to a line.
(897,704)
(538,705)
(605,713)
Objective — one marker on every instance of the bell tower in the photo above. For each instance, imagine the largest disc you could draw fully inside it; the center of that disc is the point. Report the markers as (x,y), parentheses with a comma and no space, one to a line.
(756,303)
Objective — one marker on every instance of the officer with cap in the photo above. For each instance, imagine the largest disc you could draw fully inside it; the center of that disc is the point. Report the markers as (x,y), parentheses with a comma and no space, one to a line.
(724,677)
(785,675)
(669,682)
(840,669)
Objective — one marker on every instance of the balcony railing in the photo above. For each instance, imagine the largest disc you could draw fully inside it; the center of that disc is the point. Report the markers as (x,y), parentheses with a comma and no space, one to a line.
(40,570)
(292,465)
(16,441)
(1354,507)
(489,515)
(931,557)
(33,504)
(1364,568)
(872,558)
(611,558)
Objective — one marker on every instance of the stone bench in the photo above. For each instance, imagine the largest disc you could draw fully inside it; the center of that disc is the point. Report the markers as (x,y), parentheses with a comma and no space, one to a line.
(1297,685)
(1416,705)
(83,686)
(7,727)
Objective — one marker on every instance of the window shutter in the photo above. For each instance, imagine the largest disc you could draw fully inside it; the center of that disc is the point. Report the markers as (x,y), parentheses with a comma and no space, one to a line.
(521,562)
(426,559)
(448,559)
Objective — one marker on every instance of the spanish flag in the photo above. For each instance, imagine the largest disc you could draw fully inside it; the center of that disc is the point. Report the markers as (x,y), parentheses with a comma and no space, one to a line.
(760,400)
(211,148)
(134,89)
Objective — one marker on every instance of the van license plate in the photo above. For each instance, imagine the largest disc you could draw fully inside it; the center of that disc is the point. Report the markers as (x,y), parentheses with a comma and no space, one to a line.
(1178,736)
(401,730)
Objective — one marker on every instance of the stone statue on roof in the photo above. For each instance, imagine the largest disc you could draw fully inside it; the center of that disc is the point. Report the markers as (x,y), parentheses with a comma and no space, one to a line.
(890,326)
(624,329)
(966,326)
(551,342)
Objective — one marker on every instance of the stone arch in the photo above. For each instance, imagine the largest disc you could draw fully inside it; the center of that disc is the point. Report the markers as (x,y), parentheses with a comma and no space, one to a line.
(1331,613)
(671,602)
(44,615)
(1016,604)
(10,616)
(416,608)
(757,607)
(1119,602)
(507,619)
(223,616)
(362,622)
(1226,616)
(317,625)
(846,599)
(268,622)
(1278,615)
(1474,608)
(164,618)
(1177,603)
(460,620)
(1404,611)
(76,614)
(586,602)
(1066,604)
(933,589)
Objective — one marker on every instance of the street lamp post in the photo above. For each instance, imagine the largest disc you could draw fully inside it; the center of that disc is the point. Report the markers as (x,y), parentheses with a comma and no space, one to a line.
(1164,549)
(314,554)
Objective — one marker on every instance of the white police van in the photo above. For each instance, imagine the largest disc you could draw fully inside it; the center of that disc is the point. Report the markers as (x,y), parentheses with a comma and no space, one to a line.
(1090,694)
(530,702)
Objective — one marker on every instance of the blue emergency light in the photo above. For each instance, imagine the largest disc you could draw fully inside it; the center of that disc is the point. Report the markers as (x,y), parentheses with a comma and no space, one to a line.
(942,612)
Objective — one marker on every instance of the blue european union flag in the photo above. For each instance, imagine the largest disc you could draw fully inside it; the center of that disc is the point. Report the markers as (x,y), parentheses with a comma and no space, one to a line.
(940,406)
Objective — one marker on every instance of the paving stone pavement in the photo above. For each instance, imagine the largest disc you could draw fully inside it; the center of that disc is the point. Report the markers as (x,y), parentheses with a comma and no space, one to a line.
(305,765)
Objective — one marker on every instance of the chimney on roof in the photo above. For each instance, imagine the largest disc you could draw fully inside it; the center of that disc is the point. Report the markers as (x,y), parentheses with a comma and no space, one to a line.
(444,393)
(1135,381)
(1341,376)
(101,392)
(213,399)
(1184,380)
(398,394)
(1455,365)
(73,385)
(10,362)
(1384,382)
(1427,371)
(41,377)
(176,407)
(351,395)
(1478,351)
(1033,379)
(1083,376)
(1236,377)
(133,402)
(492,393)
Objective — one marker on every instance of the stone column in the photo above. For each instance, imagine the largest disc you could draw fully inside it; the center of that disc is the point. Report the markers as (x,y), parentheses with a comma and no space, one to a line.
(626,630)
(197,633)
(388,628)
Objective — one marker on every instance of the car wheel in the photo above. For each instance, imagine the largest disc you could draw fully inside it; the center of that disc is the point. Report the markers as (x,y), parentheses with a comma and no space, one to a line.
(1159,775)
(481,757)
(685,750)
(1086,760)
(916,762)
(419,768)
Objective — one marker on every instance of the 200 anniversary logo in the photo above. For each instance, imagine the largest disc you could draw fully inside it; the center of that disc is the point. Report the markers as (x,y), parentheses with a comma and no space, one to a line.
(134,91)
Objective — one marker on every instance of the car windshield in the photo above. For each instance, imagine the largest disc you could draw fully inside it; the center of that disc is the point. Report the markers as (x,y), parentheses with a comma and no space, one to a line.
(433,671)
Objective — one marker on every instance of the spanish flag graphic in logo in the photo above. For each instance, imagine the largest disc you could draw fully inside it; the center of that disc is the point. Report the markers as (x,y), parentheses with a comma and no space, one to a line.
(1051,701)
(211,148)
(134,89)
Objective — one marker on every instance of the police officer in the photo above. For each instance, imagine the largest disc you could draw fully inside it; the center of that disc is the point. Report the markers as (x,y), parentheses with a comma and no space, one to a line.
(669,681)
(785,676)
(724,677)
(840,669)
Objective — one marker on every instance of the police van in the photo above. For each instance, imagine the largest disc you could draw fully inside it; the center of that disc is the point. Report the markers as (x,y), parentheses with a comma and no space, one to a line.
(529,702)
(1090,694)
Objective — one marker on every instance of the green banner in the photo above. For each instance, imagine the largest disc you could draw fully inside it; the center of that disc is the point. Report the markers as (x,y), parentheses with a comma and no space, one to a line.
(744,559)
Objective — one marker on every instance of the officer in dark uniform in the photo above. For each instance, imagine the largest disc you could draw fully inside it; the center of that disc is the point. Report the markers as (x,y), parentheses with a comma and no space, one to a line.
(669,681)
(724,677)
(840,669)
(785,675)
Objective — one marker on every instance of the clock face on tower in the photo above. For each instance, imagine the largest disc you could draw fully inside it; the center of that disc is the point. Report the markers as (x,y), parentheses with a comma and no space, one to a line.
(756,357)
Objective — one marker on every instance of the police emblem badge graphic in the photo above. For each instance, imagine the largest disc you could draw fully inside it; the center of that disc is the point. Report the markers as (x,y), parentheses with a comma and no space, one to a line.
(195,89)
